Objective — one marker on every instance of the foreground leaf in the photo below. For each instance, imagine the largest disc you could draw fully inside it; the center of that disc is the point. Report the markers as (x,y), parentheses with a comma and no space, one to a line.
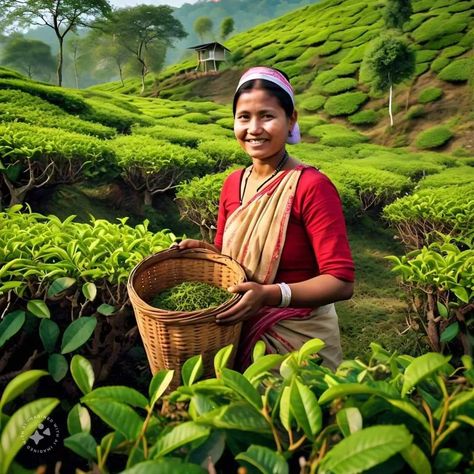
(21,426)
(60,284)
(305,408)
(192,369)
(11,324)
(365,449)
(264,459)
(416,459)
(82,373)
(158,385)
(77,333)
(57,366)
(242,387)
(82,444)
(19,384)
(119,393)
(38,308)
(349,420)
(165,466)
(222,358)
(263,365)
(49,333)
(78,420)
(311,347)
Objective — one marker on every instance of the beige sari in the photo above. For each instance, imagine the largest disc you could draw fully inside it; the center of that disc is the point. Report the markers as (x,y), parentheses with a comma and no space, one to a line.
(254,235)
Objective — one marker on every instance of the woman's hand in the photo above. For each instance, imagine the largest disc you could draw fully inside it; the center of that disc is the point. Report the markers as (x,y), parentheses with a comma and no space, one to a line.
(255,297)
(187,244)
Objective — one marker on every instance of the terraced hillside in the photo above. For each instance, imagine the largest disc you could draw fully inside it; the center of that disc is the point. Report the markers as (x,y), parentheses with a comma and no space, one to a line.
(322,46)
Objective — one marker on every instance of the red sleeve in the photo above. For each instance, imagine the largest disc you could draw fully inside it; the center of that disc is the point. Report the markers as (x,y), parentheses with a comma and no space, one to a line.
(325,226)
(229,188)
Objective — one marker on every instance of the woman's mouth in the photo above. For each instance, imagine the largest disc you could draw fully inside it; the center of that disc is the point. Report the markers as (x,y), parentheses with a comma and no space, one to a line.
(255,141)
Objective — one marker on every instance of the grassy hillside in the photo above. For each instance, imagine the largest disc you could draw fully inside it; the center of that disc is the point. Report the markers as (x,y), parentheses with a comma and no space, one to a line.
(321,47)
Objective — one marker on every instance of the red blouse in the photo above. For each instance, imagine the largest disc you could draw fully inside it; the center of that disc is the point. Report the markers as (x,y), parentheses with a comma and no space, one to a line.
(316,239)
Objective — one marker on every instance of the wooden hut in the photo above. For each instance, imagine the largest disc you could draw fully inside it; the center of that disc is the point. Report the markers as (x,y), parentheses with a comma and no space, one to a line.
(209,56)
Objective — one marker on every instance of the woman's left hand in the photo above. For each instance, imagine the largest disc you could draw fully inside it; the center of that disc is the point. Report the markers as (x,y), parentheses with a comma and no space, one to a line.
(252,301)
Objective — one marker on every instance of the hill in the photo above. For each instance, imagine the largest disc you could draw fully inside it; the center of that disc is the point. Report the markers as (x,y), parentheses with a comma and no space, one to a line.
(321,47)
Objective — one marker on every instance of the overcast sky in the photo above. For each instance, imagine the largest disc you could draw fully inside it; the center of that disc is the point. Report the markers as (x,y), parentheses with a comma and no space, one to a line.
(131,3)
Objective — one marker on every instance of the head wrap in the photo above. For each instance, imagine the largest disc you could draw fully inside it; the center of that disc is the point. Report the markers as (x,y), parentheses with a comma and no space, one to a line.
(281,81)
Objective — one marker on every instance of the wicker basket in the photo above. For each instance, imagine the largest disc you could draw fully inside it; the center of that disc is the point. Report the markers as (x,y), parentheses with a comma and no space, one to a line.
(172,337)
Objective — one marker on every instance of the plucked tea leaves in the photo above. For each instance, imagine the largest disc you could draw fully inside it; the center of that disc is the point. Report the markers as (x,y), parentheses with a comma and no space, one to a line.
(190,296)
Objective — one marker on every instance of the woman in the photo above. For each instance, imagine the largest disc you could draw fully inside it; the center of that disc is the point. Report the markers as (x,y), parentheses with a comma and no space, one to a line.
(283,222)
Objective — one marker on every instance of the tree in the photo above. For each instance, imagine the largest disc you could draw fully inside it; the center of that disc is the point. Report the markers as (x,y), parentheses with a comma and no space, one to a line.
(397,13)
(227,27)
(145,31)
(203,26)
(63,16)
(390,61)
(31,57)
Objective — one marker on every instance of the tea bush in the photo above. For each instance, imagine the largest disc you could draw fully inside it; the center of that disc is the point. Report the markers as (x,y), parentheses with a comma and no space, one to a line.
(364,117)
(440,26)
(457,71)
(312,103)
(336,135)
(339,85)
(439,63)
(196,117)
(224,153)
(444,41)
(433,137)
(345,104)
(180,137)
(414,112)
(430,95)
(425,55)
(454,176)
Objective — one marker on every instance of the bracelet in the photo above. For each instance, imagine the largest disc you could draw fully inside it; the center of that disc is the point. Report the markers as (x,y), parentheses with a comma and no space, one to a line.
(285,295)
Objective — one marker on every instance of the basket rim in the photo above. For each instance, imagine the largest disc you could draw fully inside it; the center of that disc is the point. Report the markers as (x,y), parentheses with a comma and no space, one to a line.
(189,316)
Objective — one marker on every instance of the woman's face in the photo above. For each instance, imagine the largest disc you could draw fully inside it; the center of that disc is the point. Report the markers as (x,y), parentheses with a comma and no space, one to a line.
(261,125)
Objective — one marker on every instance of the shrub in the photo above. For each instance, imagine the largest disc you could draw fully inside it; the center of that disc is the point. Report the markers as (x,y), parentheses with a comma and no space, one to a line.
(444,41)
(440,26)
(336,135)
(345,104)
(312,103)
(458,71)
(454,176)
(453,51)
(430,95)
(433,137)
(7,73)
(224,153)
(180,137)
(226,122)
(364,117)
(414,112)
(339,85)
(329,47)
(425,55)
(439,63)
(196,117)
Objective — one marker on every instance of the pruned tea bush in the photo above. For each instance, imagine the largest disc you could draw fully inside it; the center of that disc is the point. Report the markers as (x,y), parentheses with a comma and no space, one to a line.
(433,137)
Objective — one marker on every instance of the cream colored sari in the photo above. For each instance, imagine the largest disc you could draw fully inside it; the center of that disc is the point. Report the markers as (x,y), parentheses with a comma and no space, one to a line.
(254,235)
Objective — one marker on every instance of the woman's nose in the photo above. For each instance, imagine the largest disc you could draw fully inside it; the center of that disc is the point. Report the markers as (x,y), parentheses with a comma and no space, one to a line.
(255,126)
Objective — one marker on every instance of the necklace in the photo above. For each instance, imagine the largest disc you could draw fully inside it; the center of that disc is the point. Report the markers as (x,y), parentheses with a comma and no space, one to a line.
(278,168)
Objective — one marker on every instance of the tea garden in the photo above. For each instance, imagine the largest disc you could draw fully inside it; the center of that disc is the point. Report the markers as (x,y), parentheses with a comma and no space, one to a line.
(70,350)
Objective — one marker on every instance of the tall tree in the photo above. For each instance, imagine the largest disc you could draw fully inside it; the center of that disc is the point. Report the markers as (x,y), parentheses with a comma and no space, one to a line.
(397,13)
(203,26)
(63,16)
(145,31)
(390,61)
(227,27)
(31,57)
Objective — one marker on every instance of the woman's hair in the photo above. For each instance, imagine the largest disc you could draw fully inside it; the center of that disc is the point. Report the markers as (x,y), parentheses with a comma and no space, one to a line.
(273,89)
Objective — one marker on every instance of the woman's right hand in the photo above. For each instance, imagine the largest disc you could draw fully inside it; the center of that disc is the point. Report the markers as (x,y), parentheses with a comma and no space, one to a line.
(188,244)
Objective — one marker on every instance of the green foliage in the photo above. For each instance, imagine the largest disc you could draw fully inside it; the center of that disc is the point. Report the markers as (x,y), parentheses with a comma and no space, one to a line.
(391,61)
(196,117)
(190,296)
(22,107)
(457,71)
(224,153)
(180,137)
(336,135)
(345,104)
(397,13)
(329,47)
(439,63)
(425,55)
(339,85)
(312,103)
(203,26)
(364,117)
(430,95)
(433,137)
(414,112)
(440,26)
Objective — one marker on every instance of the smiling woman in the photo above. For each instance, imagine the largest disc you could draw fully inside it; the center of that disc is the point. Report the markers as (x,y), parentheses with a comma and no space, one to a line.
(282,221)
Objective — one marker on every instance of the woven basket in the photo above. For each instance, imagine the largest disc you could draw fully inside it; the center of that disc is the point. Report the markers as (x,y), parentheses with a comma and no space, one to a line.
(172,337)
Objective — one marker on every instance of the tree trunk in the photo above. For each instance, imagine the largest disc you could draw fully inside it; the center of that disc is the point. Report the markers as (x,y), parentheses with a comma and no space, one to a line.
(390,105)
(60,61)
(121,74)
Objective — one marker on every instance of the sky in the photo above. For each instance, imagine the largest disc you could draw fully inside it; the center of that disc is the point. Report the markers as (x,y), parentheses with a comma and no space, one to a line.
(131,3)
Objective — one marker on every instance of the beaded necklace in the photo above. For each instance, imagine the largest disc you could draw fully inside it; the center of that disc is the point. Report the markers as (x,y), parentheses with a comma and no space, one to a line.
(278,168)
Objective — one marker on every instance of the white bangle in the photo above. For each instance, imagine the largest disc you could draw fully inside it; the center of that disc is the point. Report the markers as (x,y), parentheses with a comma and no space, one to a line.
(285,295)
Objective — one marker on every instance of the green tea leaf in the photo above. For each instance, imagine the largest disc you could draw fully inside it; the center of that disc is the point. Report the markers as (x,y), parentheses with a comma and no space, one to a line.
(242,387)
(38,308)
(77,333)
(60,284)
(416,459)
(285,408)
(19,384)
(461,293)
(345,389)
(78,420)
(365,449)
(442,310)
(57,366)
(165,466)
(421,368)
(305,408)
(49,333)
(311,347)
(11,324)
(450,332)
(410,409)
(211,449)
(119,416)
(21,426)
(82,444)
(82,373)
(349,420)
(264,459)
(158,385)
(258,350)
(262,365)
(180,435)
(192,369)
(119,393)
(89,290)
(447,460)
(106,309)
(222,358)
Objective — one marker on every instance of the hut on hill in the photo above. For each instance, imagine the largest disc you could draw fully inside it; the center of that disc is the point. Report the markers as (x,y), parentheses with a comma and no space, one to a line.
(210,55)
